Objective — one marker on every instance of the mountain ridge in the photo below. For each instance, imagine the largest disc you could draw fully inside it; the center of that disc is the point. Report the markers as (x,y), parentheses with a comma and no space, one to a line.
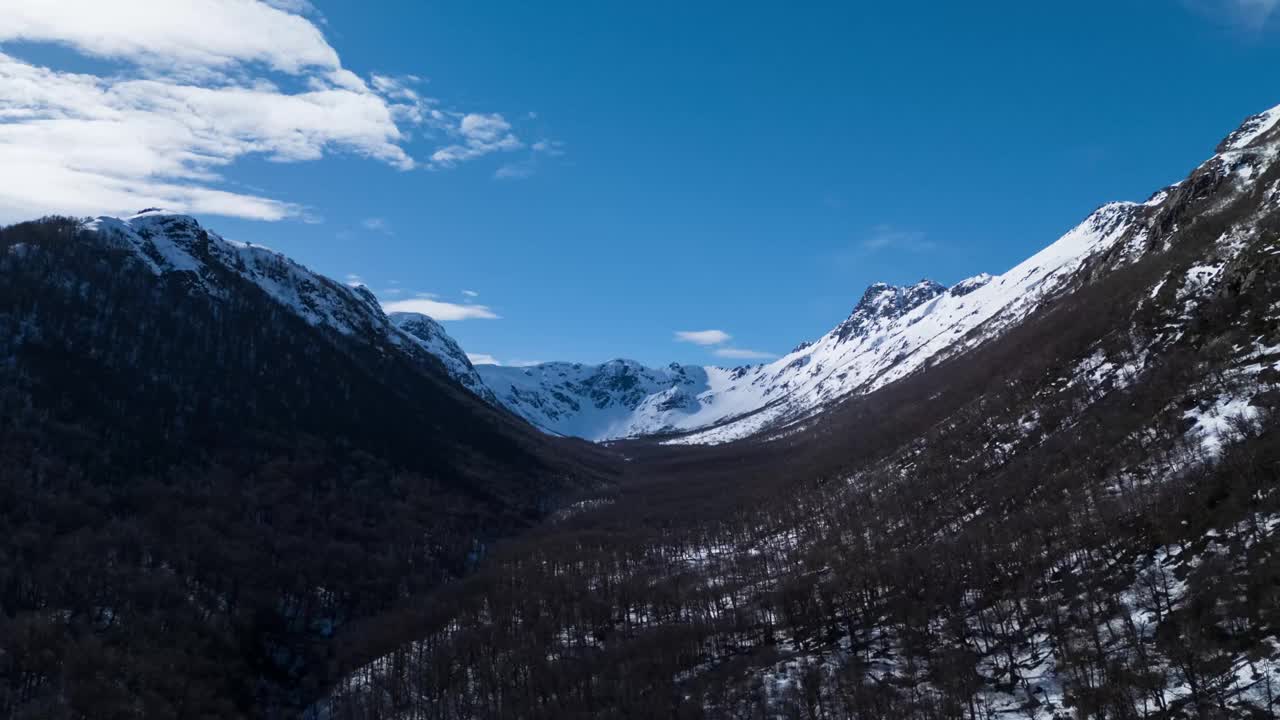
(876,344)
(216,462)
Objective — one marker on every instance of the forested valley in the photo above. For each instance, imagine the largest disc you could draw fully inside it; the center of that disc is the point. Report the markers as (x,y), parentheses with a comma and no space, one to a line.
(1035,530)
(221,504)
(1076,520)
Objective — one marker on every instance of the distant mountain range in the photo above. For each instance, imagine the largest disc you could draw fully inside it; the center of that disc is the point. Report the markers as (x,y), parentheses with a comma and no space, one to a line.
(892,332)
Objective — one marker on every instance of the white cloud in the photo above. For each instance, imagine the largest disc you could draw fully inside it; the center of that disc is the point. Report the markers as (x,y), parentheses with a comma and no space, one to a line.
(194,86)
(195,34)
(397,88)
(742,354)
(471,293)
(440,310)
(887,237)
(478,135)
(703,337)
(482,359)
(484,128)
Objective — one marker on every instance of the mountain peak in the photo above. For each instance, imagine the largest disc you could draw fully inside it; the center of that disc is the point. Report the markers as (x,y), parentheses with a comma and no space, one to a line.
(416,323)
(968,285)
(882,301)
(152,217)
(430,335)
(1253,128)
(156,212)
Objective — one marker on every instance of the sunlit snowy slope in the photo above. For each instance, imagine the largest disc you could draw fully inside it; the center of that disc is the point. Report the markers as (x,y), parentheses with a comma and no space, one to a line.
(168,243)
(892,332)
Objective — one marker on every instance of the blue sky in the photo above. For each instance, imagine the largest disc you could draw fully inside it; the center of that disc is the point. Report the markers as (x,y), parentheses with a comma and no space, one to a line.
(601,176)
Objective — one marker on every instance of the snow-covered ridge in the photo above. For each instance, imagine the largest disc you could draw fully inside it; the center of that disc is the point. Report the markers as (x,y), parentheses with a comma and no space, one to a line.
(1252,129)
(167,242)
(620,398)
(164,242)
(889,347)
(431,336)
(891,332)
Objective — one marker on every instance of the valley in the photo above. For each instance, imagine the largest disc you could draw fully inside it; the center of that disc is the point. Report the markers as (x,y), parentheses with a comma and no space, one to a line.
(235,487)
(1074,519)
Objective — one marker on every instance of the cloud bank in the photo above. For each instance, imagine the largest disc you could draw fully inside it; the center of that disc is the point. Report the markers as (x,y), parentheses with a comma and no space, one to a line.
(441,310)
(187,90)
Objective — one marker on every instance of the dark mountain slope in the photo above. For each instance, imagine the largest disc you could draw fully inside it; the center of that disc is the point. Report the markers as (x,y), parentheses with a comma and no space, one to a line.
(203,484)
(1077,518)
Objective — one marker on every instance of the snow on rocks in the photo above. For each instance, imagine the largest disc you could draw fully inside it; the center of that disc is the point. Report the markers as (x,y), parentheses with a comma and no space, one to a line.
(891,333)
(1220,422)
(1252,129)
(431,336)
(171,243)
(167,242)
(890,346)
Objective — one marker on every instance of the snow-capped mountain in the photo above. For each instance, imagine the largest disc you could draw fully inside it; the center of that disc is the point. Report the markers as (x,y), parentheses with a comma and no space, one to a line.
(620,398)
(216,400)
(896,331)
(164,242)
(891,333)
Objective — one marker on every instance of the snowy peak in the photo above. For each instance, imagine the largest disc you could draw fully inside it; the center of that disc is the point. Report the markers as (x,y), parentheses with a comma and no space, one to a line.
(173,244)
(167,243)
(968,285)
(883,302)
(1252,130)
(431,336)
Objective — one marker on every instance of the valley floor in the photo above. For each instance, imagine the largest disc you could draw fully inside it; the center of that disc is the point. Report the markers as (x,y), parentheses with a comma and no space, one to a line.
(1121,561)
(1076,520)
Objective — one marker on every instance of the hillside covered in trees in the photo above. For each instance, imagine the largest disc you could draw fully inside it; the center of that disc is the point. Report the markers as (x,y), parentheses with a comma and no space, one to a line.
(1077,519)
(201,487)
